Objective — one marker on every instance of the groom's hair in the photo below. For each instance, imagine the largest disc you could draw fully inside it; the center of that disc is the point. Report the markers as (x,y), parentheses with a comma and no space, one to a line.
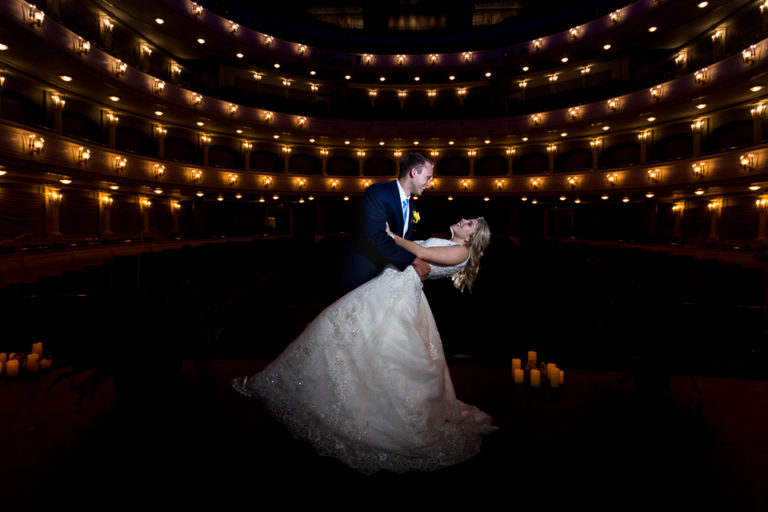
(411,160)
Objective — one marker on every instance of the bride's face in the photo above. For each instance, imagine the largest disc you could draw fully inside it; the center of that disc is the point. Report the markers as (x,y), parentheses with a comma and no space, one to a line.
(464,228)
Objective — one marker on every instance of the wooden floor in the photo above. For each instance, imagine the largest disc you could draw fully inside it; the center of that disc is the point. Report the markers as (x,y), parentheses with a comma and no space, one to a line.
(193,442)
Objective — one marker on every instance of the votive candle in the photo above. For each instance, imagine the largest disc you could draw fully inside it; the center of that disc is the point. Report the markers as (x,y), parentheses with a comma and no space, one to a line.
(37,348)
(554,377)
(3,357)
(516,364)
(12,368)
(531,355)
(519,376)
(535,378)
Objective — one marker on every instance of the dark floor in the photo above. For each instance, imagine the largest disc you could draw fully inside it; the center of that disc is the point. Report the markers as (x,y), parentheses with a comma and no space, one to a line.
(595,443)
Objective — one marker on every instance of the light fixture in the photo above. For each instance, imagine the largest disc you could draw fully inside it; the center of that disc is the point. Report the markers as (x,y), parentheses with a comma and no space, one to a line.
(158,190)
(465,184)
(34,144)
(66,78)
(574,112)
(551,148)
(613,104)
(266,181)
(573,181)
(681,58)
(644,135)
(653,28)
(678,207)
(654,175)
(145,50)
(199,193)
(749,55)
(625,199)
(702,5)
(220,198)
(452,77)
(232,179)
(563,134)
(535,119)
(607,46)
(699,191)
(196,99)
(64,180)
(748,161)
(612,178)
(575,32)
(119,163)
(197,9)
(467,56)
(526,68)
(701,76)
(312,140)
(718,35)
(119,67)
(238,196)
(487,141)
(196,175)
(233,27)
(158,86)
(82,155)
(756,88)
(200,40)
(159,21)
(615,16)
(698,125)
(651,119)
(300,183)
(535,183)
(334,184)
(3,47)
(488,74)
(58,102)
(433,58)
(596,143)
(563,198)
(606,128)
(106,24)
(233,109)
(656,92)
(312,72)
(82,46)
(268,40)
(604,197)
(347,77)
(34,16)
(754,187)
(715,205)
(416,78)
(158,170)
(701,106)
(564,60)
(699,169)
(400,60)
(200,123)
(114,186)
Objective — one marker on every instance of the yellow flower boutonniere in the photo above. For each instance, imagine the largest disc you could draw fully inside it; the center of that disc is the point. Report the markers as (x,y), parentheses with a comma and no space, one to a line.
(415,217)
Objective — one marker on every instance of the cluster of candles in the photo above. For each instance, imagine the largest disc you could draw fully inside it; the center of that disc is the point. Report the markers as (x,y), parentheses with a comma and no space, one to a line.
(12,364)
(534,371)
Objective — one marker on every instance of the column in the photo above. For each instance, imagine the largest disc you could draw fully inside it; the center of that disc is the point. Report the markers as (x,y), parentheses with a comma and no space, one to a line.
(105,214)
(762,226)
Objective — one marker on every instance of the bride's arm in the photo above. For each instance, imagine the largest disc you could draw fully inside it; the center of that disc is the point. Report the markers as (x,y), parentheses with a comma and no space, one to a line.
(447,255)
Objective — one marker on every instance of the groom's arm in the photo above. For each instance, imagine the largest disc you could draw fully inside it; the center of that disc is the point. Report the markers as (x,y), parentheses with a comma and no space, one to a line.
(374,235)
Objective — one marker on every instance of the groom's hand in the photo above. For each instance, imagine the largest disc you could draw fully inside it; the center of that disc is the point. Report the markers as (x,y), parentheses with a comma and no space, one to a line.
(422,268)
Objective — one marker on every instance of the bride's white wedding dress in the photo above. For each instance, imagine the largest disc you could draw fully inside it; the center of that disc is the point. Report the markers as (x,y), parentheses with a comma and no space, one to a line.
(367,381)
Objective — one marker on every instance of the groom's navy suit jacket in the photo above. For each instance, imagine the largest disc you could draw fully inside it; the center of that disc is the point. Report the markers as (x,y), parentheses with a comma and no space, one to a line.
(372,249)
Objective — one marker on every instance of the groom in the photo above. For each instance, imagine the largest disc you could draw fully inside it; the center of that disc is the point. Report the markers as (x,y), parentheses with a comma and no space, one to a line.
(387,202)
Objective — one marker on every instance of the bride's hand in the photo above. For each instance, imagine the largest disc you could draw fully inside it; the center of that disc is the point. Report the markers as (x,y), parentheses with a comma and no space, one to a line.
(386,228)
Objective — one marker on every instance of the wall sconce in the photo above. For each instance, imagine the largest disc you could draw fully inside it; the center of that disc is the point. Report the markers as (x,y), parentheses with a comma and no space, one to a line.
(232,109)
(701,76)
(54,196)
(361,153)
(106,200)
(286,149)
(715,205)
(718,36)
(246,145)
(465,184)
(119,163)
(175,205)
(334,184)
(748,161)
(431,93)
(366,183)
(612,178)
(300,183)
(536,119)
(575,32)
(2,80)
(106,24)
(434,153)
(574,112)
(266,181)
(585,70)
(654,175)
(323,152)
(551,148)
(197,9)
(433,183)
(233,27)
(762,204)
(286,82)
(145,203)
(461,91)
(537,44)
(175,70)
(400,60)
(268,41)
(373,93)
(158,170)
(596,143)
(301,121)
(196,175)
(232,179)
(112,119)
(160,131)
(467,56)
(764,7)
(644,136)
(522,83)
(34,16)
(679,207)
(58,102)
(267,117)
(573,181)
(119,67)
(511,151)
(615,16)
(205,139)
(471,153)
(699,169)
(158,86)
(398,153)
(758,111)
(82,155)
(681,58)
(145,50)
(82,46)
(196,99)
(433,58)
(313,87)
(553,77)
(367,58)
(500,184)
(34,144)
(402,94)
(749,55)
(656,92)
(698,125)
(613,104)
(535,183)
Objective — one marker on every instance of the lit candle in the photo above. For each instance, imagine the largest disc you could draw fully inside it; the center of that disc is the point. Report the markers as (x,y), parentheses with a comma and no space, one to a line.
(535,378)
(12,368)
(562,377)
(37,348)
(548,367)
(33,363)
(516,365)
(3,357)
(45,364)
(531,355)
(519,376)
(554,377)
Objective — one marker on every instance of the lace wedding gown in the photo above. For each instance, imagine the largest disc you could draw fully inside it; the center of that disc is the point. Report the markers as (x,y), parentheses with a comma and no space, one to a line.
(367,381)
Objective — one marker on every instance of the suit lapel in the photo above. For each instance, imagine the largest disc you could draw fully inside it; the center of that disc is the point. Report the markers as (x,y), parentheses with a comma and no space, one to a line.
(398,207)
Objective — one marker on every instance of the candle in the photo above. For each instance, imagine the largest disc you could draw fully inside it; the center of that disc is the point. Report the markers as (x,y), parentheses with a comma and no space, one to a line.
(33,362)
(37,348)
(3,357)
(554,377)
(12,368)
(548,367)
(562,377)
(519,376)
(516,365)
(45,364)
(531,355)
(535,378)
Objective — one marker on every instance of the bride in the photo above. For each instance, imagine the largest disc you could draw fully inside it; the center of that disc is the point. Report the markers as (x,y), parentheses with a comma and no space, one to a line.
(367,381)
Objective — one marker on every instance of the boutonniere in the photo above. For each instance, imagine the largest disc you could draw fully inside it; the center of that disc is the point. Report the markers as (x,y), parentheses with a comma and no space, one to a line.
(415,217)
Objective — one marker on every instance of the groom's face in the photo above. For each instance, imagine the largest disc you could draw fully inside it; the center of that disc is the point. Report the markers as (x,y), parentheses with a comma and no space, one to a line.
(421,179)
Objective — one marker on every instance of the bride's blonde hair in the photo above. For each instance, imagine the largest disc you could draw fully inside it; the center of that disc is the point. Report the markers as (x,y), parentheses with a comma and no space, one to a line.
(477,242)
